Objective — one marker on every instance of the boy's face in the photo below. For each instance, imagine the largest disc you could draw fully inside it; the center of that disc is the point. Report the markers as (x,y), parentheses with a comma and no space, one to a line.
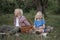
(17,13)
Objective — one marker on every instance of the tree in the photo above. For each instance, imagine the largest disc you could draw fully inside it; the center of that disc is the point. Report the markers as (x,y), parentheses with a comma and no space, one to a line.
(41,5)
(7,6)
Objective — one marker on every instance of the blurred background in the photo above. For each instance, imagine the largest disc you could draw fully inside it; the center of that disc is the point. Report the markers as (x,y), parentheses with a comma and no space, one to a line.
(50,9)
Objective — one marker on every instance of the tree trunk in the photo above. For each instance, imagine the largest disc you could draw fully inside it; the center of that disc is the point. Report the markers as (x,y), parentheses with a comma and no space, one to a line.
(38,5)
(41,5)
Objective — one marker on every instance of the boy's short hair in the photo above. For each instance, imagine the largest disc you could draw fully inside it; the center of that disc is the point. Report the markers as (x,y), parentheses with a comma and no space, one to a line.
(21,11)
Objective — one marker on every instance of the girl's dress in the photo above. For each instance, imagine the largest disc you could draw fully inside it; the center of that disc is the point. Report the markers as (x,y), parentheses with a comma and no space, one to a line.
(39,23)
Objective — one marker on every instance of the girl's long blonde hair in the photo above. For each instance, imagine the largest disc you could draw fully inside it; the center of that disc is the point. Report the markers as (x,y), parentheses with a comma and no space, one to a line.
(39,13)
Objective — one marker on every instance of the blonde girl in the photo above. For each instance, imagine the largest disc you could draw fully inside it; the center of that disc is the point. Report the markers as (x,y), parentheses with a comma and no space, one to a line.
(39,22)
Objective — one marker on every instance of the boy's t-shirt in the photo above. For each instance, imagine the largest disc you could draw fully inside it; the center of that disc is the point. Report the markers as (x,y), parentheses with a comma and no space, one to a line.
(39,23)
(17,22)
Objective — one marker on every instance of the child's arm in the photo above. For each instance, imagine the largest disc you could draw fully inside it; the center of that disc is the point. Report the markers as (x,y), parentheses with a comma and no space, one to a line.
(43,24)
(43,21)
(26,21)
(34,25)
(42,27)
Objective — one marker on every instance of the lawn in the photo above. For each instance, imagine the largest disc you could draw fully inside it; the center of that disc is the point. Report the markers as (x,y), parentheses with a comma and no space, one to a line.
(51,20)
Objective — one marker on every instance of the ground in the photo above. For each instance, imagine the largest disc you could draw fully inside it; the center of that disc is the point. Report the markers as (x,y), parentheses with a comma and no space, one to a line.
(51,20)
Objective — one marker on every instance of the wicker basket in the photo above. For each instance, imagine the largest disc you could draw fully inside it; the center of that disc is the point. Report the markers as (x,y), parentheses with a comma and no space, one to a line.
(26,29)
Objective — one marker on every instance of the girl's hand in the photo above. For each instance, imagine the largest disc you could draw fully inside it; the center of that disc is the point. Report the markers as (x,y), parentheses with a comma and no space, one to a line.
(41,27)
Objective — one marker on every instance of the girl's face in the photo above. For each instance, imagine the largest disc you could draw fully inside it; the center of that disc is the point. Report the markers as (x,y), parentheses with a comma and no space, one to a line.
(39,17)
(17,13)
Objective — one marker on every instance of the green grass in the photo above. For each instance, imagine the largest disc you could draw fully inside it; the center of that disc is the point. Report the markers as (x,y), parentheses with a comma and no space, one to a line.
(52,20)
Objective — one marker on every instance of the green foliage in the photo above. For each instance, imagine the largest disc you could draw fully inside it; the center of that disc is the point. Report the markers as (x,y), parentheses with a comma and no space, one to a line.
(6,19)
(53,6)
(8,6)
(52,20)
